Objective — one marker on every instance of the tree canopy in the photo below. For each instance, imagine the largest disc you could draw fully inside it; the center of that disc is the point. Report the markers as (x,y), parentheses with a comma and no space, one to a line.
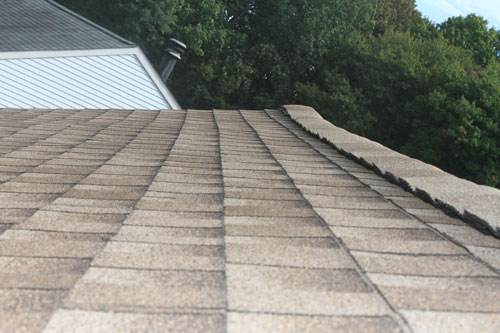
(374,67)
(472,33)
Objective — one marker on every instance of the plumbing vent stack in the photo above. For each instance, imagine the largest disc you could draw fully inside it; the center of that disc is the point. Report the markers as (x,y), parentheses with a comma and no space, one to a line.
(173,53)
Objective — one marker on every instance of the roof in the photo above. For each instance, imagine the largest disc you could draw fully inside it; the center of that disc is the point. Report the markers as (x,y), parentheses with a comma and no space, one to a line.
(43,25)
(478,204)
(222,220)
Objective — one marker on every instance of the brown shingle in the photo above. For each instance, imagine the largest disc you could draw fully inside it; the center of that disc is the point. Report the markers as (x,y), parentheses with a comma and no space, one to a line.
(182,202)
(174,219)
(106,192)
(223,220)
(261,193)
(415,241)
(430,265)
(368,218)
(440,321)
(369,203)
(108,289)
(300,291)
(250,322)
(76,320)
(195,236)
(465,235)
(488,254)
(17,187)
(346,191)
(40,273)
(275,226)
(186,188)
(161,256)
(440,293)
(293,252)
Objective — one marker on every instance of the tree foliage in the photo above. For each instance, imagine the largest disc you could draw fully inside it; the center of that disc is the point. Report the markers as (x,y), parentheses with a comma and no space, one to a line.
(394,14)
(434,103)
(472,33)
(375,67)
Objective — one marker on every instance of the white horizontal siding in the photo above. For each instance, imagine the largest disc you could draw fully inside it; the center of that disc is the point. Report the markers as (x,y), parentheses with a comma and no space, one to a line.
(94,82)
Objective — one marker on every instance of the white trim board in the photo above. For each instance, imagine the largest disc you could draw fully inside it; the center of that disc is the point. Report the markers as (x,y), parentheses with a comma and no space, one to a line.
(157,80)
(67,53)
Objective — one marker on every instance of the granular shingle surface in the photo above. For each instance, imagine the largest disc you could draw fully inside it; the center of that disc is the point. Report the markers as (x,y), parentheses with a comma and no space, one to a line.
(221,220)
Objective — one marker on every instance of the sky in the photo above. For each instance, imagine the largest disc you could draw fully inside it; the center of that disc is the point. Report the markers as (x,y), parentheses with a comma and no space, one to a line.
(440,10)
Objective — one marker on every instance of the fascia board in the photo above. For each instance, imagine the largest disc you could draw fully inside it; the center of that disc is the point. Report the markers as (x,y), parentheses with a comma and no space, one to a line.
(135,50)
(68,53)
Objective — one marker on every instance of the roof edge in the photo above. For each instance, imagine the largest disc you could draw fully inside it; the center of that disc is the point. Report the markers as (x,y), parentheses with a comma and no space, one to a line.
(89,22)
(478,205)
(68,53)
(153,74)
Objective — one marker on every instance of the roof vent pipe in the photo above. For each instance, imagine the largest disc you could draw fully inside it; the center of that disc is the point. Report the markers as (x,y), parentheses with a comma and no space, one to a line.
(173,53)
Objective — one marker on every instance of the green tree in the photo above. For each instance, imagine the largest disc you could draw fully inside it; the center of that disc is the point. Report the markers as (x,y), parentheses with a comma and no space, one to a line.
(431,101)
(338,101)
(472,33)
(423,28)
(300,49)
(214,72)
(394,14)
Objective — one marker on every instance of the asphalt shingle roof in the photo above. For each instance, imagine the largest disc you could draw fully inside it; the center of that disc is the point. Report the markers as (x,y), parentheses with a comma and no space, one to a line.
(219,220)
(43,25)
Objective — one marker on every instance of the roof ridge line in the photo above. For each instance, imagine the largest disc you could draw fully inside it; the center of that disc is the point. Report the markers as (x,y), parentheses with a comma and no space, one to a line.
(445,191)
(89,22)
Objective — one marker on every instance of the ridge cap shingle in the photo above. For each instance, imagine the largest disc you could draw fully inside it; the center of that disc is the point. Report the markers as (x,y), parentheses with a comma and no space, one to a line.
(478,205)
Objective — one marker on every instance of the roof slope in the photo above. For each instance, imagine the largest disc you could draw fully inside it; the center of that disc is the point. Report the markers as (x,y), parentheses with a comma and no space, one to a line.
(221,221)
(43,25)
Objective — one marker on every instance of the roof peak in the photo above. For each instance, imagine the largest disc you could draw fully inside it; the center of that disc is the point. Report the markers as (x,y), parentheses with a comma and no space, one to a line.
(478,205)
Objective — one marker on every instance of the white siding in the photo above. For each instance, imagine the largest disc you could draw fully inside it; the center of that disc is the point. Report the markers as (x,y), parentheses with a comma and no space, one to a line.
(93,82)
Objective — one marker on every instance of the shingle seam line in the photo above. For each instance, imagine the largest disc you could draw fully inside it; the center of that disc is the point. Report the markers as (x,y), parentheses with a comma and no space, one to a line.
(399,318)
